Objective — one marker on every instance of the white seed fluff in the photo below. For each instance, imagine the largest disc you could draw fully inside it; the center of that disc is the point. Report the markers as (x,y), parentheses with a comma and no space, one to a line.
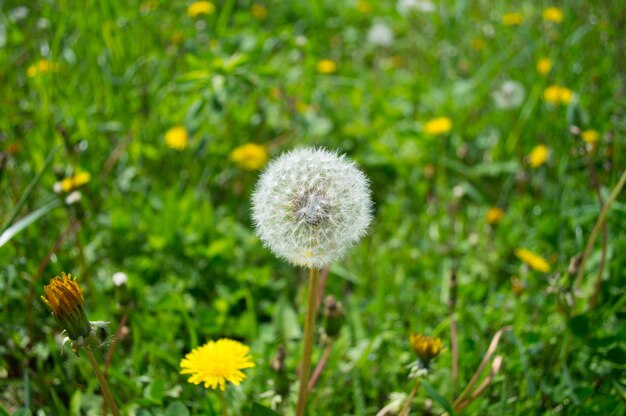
(310,205)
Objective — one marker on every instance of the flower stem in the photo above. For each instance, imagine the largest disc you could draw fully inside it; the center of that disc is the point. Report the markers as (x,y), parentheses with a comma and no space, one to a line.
(104,386)
(223,400)
(309,327)
(407,405)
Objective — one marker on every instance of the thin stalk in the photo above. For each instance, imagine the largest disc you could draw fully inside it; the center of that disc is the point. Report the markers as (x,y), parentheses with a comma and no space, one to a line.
(223,401)
(321,365)
(309,327)
(597,228)
(104,386)
(409,400)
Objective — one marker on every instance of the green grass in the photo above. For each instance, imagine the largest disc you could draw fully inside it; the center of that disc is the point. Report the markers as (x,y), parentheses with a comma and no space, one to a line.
(178,222)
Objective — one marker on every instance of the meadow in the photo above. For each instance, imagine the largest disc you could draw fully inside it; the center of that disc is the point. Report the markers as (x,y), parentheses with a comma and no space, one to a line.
(489,280)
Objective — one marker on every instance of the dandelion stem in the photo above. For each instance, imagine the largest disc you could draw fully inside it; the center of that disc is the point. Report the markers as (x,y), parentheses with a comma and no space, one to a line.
(309,327)
(104,386)
(223,401)
(409,400)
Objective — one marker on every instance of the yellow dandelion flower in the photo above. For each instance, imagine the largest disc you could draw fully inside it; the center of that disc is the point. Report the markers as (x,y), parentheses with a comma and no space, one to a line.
(250,156)
(494,215)
(532,260)
(326,66)
(177,138)
(200,7)
(363,7)
(437,126)
(65,299)
(555,94)
(301,107)
(41,67)
(216,363)
(258,11)
(478,44)
(512,19)
(553,14)
(425,347)
(538,156)
(590,136)
(73,182)
(544,65)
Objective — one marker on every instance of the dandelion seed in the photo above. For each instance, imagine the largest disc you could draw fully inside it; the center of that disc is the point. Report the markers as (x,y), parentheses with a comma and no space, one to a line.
(510,95)
(406,7)
(438,126)
(200,7)
(533,260)
(380,35)
(326,66)
(250,156)
(176,138)
(119,278)
(553,14)
(544,66)
(538,156)
(216,363)
(310,206)
(512,19)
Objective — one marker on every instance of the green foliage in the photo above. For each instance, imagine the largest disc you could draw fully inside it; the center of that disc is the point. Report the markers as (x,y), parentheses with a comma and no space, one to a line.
(120,74)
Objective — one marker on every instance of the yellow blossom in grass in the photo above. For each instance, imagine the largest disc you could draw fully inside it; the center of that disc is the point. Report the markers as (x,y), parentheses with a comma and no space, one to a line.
(177,138)
(65,299)
(326,66)
(590,136)
(250,156)
(532,260)
(544,65)
(41,67)
(553,14)
(216,363)
(200,7)
(538,156)
(301,106)
(258,11)
(73,182)
(363,6)
(478,44)
(512,19)
(425,347)
(555,94)
(494,215)
(437,126)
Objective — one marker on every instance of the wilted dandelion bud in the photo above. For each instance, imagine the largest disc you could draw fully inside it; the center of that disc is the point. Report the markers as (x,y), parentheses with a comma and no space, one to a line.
(425,347)
(334,316)
(65,299)
(310,205)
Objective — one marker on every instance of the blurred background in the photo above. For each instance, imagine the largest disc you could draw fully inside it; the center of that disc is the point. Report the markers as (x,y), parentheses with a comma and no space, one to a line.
(131,137)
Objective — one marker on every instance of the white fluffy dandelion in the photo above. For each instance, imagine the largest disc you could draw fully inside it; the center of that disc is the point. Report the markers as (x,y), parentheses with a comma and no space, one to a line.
(510,95)
(310,205)
(380,35)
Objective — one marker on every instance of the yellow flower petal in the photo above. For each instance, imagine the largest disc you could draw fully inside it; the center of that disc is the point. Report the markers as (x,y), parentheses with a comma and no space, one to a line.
(553,14)
(437,126)
(533,260)
(326,66)
(512,19)
(250,156)
(200,7)
(544,65)
(538,156)
(590,136)
(216,363)
(177,138)
(494,215)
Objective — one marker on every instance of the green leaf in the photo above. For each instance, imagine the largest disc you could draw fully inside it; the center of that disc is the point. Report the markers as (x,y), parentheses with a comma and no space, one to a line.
(22,412)
(26,221)
(437,397)
(29,189)
(260,410)
(176,409)
(580,325)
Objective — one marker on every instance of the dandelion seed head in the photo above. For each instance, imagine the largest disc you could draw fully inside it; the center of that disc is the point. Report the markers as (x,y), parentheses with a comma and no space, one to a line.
(310,206)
